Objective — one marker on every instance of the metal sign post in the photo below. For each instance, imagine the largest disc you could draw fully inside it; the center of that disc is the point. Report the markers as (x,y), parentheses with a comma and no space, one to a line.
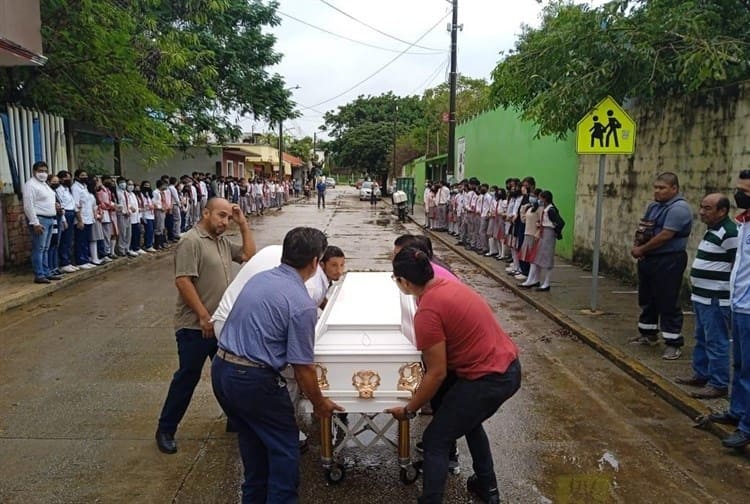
(606,129)
(597,233)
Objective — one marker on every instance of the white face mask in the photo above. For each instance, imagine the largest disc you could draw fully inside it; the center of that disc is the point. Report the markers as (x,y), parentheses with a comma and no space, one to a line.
(123,185)
(41,176)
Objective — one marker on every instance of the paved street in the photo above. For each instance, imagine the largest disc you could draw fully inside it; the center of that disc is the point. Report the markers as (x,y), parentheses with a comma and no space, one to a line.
(83,374)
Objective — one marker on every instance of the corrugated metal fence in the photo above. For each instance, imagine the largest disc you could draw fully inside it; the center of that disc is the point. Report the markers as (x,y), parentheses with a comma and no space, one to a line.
(28,136)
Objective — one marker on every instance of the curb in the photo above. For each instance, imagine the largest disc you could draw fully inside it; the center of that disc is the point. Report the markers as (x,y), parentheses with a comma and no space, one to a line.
(72,279)
(662,387)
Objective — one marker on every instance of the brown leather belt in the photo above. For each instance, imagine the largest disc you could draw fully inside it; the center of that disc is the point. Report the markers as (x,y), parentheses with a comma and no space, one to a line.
(236,359)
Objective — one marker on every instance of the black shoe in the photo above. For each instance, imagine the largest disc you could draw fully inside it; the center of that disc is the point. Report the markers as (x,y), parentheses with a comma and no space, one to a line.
(693,381)
(709,392)
(166,443)
(737,439)
(42,280)
(487,495)
(724,418)
(542,289)
(530,286)
(55,277)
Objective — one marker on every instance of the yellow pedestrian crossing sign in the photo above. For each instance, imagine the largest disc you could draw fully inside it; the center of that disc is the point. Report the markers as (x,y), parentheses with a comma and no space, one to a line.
(606,129)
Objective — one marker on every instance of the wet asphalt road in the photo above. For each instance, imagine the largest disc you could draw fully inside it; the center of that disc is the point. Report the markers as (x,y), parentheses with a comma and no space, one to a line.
(83,375)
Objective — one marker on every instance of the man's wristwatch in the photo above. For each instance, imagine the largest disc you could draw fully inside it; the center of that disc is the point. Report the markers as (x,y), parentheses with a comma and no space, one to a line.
(410,415)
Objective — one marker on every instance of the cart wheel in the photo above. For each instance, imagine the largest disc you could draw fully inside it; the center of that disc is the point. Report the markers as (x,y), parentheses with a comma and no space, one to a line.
(409,474)
(335,474)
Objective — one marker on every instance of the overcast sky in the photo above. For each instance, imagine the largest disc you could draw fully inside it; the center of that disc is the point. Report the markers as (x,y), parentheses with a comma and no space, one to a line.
(325,66)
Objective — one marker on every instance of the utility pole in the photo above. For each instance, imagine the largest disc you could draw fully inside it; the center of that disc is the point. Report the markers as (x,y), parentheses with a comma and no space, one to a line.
(281,149)
(453,82)
(395,129)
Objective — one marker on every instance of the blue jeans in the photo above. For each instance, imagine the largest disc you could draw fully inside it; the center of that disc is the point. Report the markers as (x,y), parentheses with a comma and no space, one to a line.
(66,238)
(148,237)
(169,225)
(193,350)
(739,404)
(135,237)
(464,407)
(266,430)
(83,237)
(40,247)
(711,353)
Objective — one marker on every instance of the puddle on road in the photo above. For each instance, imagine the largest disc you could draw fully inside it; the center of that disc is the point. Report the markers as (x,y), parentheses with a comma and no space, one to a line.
(592,488)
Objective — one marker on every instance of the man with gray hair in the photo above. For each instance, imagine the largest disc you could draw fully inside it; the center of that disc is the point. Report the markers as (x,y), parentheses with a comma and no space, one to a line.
(660,250)
(709,277)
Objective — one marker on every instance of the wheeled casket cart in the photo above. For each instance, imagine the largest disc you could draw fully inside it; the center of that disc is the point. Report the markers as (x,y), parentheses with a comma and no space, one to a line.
(367,361)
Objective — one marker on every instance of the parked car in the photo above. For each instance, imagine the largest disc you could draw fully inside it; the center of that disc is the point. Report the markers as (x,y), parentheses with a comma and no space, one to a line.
(331,182)
(365,192)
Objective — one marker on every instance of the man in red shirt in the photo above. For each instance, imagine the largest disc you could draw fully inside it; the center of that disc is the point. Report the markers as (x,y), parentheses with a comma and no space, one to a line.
(457,334)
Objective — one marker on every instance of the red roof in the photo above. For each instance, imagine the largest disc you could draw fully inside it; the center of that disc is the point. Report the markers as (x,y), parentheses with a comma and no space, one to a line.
(293,160)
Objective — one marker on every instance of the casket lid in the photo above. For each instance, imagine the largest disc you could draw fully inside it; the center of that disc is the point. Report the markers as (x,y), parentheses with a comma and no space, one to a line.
(367,314)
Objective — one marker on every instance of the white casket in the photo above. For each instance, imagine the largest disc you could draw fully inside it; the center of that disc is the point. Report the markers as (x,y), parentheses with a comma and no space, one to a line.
(365,354)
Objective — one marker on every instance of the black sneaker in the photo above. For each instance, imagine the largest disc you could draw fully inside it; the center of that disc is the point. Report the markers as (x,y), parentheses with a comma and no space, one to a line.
(487,495)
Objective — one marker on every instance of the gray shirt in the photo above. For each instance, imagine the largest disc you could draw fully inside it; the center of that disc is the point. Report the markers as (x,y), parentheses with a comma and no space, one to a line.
(673,215)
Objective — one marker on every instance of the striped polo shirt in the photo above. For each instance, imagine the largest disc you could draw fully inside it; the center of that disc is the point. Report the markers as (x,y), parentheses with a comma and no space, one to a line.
(713,263)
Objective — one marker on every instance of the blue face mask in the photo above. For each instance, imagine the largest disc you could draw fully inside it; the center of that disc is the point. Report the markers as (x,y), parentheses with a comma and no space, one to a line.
(533,200)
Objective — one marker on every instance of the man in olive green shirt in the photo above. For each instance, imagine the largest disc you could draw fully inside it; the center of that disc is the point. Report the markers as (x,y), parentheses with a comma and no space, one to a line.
(203,270)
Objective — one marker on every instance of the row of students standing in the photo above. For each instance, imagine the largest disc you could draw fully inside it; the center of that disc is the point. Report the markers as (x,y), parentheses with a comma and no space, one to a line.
(518,224)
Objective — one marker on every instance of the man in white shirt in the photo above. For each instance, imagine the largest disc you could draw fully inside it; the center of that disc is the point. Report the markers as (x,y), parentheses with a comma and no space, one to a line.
(84,219)
(41,213)
(443,196)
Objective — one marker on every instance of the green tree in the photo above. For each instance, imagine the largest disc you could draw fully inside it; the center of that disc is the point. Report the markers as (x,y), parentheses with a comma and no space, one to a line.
(154,72)
(645,49)
(362,132)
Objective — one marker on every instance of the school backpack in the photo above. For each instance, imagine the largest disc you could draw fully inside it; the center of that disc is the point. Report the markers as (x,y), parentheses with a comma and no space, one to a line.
(558,221)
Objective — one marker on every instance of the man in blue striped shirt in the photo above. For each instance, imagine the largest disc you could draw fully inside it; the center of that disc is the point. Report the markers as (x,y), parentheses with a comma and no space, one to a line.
(709,277)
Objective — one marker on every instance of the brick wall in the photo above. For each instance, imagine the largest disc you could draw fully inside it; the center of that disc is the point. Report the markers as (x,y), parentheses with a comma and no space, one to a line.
(16,232)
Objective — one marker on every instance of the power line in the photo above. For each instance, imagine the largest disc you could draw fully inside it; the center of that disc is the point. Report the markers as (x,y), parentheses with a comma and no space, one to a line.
(357,41)
(373,28)
(382,67)
(431,77)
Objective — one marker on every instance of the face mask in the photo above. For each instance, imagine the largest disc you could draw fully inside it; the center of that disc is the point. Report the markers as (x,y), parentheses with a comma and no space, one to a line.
(67,182)
(742,200)
(83,181)
(54,186)
(41,176)
(122,185)
(533,200)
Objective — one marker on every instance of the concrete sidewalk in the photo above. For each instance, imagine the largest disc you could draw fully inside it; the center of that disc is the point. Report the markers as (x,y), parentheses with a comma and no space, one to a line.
(17,287)
(608,331)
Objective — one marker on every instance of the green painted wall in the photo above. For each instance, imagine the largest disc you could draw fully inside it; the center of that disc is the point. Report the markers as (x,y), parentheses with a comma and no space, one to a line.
(416,168)
(499,145)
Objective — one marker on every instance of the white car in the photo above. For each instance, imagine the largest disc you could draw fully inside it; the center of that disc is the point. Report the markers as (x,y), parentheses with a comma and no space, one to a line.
(331,182)
(365,192)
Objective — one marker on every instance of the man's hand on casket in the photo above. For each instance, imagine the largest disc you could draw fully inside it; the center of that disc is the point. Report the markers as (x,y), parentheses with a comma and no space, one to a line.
(307,379)
(325,408)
